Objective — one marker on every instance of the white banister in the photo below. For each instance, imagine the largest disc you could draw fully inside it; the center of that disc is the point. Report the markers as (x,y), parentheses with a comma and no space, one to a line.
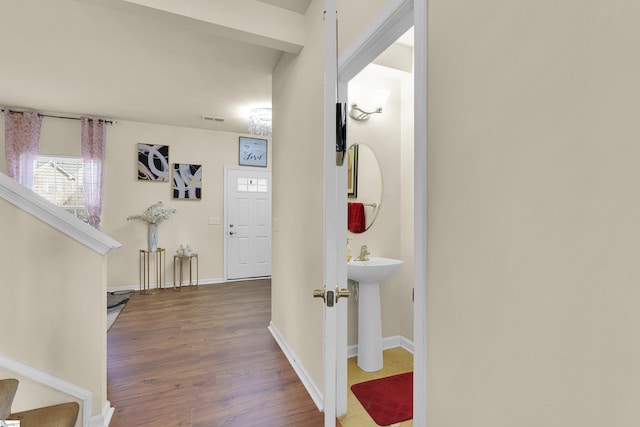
(56,217)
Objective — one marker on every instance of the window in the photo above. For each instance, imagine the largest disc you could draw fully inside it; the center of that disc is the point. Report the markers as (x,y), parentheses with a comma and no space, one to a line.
(252,185)
(59,180)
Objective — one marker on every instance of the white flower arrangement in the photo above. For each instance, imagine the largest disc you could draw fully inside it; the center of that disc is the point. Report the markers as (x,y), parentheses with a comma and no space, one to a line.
(154,214)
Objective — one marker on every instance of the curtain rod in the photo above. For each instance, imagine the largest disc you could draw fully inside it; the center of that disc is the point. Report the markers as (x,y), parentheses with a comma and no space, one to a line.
(111,122)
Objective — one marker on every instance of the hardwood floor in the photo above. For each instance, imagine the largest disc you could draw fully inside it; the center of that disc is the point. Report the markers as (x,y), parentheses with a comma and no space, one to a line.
(203,358)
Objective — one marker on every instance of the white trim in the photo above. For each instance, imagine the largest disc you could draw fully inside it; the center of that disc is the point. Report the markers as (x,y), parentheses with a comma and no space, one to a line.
(332,248)
(306,380)
(395,18)
(387,343)
(104,418)
(86,396)
(341,275)
(56,217)
(421,256)
(169,285)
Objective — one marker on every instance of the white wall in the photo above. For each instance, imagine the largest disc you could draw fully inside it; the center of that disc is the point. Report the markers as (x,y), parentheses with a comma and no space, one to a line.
(534,228)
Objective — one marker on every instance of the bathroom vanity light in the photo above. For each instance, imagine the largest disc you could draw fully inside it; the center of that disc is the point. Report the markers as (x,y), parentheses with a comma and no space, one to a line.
(372,105)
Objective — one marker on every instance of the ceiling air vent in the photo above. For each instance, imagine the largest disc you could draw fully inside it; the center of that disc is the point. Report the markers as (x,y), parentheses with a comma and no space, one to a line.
(213,118)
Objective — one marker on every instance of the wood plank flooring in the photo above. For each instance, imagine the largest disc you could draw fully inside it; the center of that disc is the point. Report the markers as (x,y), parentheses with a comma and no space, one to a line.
(203,358)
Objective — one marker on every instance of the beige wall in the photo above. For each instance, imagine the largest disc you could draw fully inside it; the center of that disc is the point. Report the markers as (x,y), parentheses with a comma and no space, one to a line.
(46,332)
(125,196)
(298,185)
(54,305)
(297,196)
(533,214)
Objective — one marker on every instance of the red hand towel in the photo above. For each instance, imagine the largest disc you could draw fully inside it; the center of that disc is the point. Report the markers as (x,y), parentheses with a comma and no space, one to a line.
(356,222)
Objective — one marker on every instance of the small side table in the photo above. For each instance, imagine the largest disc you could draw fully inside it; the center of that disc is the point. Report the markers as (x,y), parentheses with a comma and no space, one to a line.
(177,267)
(157,258)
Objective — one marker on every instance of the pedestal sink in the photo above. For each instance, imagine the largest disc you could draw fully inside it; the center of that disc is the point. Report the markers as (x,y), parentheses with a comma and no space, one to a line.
(369,274)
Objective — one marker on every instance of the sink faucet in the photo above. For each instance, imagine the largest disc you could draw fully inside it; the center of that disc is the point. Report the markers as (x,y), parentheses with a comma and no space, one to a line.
(364,254)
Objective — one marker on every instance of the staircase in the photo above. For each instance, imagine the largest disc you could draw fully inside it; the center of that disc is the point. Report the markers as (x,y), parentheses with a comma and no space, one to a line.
(60,265)
(61,415)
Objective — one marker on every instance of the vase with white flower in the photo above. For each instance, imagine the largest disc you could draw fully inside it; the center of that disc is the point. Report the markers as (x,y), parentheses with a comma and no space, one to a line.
(153,216)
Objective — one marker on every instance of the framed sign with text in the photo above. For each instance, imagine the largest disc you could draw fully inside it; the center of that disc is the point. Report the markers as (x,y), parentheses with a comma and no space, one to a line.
(253,151)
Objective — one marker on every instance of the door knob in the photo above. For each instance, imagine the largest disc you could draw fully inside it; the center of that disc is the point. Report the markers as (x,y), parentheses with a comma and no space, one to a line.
(327,296)
(342,293)
(320,293)
(331,297)
(231,233)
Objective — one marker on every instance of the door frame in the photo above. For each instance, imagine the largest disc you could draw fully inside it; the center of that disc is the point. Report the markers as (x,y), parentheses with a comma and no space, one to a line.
(395,19)
(225,221)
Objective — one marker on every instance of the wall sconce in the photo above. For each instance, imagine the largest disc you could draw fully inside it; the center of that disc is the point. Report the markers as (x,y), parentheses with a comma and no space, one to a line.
(373,104)
(357,113)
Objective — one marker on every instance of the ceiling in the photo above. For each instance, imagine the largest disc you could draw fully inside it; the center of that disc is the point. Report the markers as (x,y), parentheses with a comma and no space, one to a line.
(154,61)
(125,61)
(298,6)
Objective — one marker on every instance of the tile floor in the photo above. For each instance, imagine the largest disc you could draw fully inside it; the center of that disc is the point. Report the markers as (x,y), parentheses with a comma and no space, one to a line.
(396,361)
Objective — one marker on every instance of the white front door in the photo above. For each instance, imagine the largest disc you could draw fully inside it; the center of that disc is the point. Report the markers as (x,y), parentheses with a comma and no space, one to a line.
(247,223)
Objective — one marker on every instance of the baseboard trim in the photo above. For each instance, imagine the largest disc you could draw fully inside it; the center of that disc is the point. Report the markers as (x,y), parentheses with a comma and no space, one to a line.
(86,396)
(352,351)
(306,380)
(214,281)
(104,419)
(136,287)
(387,343)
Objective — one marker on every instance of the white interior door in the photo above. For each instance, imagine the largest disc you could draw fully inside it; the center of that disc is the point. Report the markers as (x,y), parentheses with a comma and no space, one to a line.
(395,19)
(247,223)
(334,314)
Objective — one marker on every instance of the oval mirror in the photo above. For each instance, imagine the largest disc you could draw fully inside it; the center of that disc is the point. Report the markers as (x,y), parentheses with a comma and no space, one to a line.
(364,187)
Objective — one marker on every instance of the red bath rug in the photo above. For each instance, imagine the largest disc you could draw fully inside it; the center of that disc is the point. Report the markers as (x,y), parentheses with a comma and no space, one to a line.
(387,400)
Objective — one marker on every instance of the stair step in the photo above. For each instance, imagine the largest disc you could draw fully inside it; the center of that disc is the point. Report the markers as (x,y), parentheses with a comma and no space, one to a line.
(8,389)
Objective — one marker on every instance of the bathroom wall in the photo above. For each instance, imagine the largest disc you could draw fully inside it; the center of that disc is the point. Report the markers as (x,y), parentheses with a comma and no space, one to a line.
(384,134)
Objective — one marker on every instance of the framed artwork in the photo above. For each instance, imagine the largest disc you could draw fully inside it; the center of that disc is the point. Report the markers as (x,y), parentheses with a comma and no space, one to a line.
(187,181)
(153,162)
(352,171)
(253,152)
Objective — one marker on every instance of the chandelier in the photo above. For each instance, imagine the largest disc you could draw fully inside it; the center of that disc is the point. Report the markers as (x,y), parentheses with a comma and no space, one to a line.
(260,122)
